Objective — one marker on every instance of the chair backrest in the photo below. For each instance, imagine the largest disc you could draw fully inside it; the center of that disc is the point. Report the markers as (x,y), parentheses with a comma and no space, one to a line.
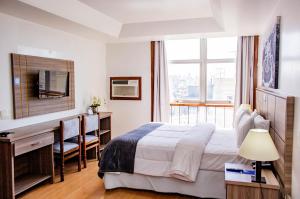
(91,123)
(71,128)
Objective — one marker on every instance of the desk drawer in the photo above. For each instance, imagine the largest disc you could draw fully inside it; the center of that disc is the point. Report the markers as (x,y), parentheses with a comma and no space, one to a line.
(32,143)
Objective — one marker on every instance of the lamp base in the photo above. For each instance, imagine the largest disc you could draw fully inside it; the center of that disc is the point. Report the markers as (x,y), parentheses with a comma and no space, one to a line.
(262,179)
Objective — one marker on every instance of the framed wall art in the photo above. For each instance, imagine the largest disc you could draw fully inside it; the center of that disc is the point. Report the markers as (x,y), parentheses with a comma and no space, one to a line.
(270,59)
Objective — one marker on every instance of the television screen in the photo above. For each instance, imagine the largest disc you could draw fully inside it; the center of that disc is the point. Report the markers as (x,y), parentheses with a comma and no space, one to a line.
(53,84)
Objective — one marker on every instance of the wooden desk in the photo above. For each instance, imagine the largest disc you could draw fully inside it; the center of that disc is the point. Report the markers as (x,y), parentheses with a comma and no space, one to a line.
(239,186)
(26,157)
(26,161)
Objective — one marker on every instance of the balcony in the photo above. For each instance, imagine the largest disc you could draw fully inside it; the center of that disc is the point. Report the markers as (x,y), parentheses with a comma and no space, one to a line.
(193,113)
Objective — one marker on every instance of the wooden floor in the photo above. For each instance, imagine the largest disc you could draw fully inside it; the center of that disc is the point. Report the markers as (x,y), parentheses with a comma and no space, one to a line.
(87,185)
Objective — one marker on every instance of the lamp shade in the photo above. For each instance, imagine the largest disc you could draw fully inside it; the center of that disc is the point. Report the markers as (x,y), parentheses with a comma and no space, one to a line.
(259,146)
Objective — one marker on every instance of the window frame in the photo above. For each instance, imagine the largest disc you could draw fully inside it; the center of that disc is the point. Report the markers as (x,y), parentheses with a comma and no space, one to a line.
(203,62)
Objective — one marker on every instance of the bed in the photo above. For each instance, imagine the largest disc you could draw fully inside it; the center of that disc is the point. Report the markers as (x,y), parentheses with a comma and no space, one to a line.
(154,167)
(154,157)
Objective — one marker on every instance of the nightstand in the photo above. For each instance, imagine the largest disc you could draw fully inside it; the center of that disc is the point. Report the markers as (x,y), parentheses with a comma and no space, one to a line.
(239,186)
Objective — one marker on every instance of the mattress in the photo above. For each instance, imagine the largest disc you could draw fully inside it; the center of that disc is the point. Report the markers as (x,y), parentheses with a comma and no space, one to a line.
(154,153)
(209,184)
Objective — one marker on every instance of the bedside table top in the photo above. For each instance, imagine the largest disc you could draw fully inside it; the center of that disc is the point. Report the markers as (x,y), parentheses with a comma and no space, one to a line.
(245,179)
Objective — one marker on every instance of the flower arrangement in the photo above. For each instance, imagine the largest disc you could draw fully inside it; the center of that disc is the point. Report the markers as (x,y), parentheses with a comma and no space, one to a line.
(96,102)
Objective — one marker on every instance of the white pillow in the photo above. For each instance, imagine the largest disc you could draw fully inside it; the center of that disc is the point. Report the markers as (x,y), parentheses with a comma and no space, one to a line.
(254,114)
(246,123)
(238,115)
(261,123)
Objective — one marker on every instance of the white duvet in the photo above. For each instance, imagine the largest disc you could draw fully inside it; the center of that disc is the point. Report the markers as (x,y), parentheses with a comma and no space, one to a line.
(184,146)
(181,151)
(188,152)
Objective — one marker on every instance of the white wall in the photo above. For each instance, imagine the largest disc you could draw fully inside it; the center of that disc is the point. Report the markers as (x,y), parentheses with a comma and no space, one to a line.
(18,36)
(289,71)
(129,59)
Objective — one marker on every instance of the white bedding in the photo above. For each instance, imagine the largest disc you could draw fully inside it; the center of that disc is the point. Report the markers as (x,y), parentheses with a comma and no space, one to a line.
(220,149)
(154,155)
(155,151)
(188,152)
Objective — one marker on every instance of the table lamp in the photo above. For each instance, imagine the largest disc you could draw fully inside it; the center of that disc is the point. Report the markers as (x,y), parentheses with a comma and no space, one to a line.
(258,146)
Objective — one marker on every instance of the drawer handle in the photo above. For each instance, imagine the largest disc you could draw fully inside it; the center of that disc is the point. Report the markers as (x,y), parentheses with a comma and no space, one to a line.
(36,143)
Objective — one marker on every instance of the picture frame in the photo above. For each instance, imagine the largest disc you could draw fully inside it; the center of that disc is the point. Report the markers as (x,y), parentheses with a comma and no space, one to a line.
(270,58)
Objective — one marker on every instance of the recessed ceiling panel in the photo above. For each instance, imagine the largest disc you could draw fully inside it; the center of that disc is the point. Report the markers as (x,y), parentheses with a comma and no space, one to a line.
(137,11)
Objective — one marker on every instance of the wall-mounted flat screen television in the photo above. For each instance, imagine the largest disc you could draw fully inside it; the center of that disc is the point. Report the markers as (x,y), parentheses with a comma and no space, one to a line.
(53,84)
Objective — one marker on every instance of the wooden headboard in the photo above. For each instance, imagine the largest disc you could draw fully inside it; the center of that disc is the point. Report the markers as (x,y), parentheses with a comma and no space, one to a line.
(279,109)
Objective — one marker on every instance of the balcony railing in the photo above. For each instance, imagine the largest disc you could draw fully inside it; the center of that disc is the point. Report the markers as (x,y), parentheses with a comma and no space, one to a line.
(193,113)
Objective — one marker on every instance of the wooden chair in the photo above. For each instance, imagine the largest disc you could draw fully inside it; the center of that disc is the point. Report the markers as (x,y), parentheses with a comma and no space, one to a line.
(64,149)
(90,135)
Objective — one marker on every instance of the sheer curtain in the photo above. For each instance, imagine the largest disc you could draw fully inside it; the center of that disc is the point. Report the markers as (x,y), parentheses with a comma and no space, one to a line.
(246,71)
(160,82)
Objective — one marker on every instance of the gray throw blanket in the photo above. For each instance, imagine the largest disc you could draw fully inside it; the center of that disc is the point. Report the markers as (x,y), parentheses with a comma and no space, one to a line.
(119,154)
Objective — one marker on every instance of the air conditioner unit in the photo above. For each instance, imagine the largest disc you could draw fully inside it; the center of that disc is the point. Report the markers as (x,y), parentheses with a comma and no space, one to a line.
(125,88)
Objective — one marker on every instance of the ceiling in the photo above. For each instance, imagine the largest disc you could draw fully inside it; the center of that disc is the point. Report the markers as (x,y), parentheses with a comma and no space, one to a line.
(137,11)
(126,20)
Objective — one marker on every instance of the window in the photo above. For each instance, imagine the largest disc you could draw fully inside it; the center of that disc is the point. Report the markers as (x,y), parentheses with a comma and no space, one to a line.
(221,48)
(220,82)
(184,80)
(202,70)
(186,49)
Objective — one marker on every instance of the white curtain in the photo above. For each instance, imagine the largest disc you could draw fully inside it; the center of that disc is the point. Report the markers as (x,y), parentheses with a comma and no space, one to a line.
(244,71)
(161,101)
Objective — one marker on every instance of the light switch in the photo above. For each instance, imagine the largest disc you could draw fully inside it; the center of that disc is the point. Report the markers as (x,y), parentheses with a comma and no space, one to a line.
(17,81)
